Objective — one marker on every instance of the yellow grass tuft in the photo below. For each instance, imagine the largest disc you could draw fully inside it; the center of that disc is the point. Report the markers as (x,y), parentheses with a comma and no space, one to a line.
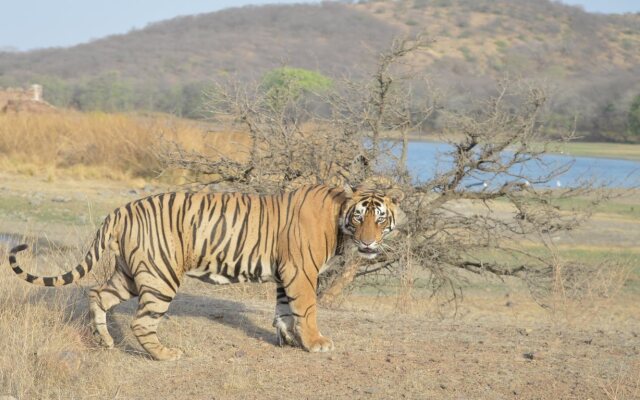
(45,340)
(98,145)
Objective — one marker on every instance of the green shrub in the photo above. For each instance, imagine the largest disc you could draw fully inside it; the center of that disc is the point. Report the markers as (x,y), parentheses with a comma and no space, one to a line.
(634,119)
(290,84)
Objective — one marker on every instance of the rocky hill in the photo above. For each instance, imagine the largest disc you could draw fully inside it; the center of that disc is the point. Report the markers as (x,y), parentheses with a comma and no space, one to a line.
(247,41)
(163,66)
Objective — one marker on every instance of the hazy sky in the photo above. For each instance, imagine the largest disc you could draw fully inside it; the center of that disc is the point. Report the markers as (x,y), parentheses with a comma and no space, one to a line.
(30,24)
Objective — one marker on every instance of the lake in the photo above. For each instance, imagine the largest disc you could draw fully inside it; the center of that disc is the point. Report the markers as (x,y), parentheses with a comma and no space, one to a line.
(425,159)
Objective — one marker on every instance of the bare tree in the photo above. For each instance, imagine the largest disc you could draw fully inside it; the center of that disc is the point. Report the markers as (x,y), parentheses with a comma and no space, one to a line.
(384,106)
(469,215)
(291,144)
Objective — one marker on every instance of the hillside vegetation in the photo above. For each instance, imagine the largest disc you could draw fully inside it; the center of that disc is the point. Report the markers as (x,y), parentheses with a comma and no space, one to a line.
(591,62)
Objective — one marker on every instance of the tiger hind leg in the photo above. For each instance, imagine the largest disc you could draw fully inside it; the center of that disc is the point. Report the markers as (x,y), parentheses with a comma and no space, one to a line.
(119,288)
(152,307)
(283,321)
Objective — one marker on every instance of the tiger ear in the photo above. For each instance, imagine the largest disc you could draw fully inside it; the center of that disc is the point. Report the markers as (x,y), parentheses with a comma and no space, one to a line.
(348,191)
(396,195)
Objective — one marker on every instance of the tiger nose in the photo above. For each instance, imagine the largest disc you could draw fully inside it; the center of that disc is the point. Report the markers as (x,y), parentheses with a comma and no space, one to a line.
(367,242)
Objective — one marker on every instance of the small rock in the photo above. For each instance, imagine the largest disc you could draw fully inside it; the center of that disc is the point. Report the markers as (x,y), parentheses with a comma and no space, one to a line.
(60,199)
(509,304)
(240,354)
(67,362)
(528,356)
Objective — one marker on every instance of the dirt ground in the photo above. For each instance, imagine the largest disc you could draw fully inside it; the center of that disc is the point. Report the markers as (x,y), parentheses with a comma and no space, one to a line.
(494,351)
(499,343)
(498,347)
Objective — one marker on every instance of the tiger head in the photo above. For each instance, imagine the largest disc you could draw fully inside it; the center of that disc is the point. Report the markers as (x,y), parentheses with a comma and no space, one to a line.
(369,216)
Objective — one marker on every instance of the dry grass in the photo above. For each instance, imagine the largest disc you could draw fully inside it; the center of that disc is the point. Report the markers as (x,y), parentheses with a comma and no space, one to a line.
(45,340)
(99,145)
(227,337)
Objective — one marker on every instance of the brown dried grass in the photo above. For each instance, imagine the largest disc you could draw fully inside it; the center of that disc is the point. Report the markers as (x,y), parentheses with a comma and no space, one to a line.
(45,339)
(100,145)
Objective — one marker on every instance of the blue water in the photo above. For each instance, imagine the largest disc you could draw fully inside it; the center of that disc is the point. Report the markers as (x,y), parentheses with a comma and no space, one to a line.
(425,159)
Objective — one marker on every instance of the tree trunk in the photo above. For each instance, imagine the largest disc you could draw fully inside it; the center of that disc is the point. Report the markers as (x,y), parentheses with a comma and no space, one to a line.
(404,172)
(330,295)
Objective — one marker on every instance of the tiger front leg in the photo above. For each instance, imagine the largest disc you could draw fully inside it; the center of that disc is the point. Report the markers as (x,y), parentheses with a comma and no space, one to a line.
(300,289)
(283,320)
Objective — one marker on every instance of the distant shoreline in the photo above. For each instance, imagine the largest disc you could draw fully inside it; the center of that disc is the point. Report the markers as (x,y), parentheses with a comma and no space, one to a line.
(618,151)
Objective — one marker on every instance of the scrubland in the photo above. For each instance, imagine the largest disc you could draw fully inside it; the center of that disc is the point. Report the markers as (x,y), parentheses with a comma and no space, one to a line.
(497,342)
(63,172)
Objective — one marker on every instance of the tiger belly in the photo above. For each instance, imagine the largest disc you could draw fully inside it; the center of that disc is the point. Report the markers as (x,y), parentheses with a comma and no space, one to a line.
(225,275)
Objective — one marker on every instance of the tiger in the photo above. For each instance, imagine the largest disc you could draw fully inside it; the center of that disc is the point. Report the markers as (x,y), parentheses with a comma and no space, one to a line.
(223,238)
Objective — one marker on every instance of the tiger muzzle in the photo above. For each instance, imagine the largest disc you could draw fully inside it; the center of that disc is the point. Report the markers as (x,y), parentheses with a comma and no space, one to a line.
(368,250)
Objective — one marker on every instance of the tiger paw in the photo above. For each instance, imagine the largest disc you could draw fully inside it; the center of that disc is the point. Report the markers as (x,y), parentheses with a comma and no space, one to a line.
(103,340)
(168,354)
(319,344)
(285,337)
(285,334)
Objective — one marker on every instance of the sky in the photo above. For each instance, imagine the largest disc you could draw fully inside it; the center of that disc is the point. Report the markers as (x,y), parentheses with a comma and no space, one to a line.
(34,24)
